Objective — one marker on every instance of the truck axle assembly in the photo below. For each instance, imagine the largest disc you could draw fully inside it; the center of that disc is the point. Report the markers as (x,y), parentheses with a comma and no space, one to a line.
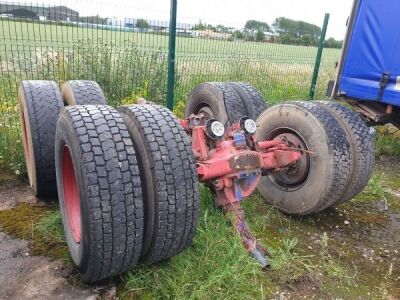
(127,179)
(231,162)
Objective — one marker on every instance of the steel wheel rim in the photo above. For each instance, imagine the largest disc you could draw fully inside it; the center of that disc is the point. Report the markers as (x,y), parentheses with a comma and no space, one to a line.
(207,112)
(71,195)
(295,176)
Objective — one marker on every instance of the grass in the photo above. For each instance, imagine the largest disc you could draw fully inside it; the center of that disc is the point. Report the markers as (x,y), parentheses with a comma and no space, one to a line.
(215,267)
(132,64)
(39,224)
(388,140)
(28,34)
(311,258)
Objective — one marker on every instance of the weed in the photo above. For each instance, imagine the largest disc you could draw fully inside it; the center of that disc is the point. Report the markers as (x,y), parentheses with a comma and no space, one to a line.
(385,286)
(214,267)
(39,224)
(376,187)
(51,228)
(330,266)
(287,265)
(387,144)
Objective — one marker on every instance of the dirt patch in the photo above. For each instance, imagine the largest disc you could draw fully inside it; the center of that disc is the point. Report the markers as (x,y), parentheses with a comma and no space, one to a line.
(33,277)
(14,192)
(23,276)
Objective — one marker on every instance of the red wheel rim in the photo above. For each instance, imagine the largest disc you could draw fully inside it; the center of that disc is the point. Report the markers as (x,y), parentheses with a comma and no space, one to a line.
(71,195)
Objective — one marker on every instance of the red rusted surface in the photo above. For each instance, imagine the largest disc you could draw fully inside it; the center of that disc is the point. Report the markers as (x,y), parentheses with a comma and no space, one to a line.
(233,164)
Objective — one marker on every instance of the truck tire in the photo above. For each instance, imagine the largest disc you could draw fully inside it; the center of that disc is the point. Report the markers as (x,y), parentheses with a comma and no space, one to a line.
(99,190)
(169,180)
(361,144)
(40,103)
(252,100)
(318,180)
(216,100)
(82,92)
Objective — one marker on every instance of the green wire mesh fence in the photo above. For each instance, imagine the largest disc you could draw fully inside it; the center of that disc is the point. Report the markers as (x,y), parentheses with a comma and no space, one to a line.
(128,57)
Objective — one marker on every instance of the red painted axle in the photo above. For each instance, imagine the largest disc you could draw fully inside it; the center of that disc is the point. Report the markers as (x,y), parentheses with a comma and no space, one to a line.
(227,159)
(233,164)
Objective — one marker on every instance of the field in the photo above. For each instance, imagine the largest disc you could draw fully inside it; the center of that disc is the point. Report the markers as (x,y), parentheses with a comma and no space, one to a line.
(131,64)
(265,64)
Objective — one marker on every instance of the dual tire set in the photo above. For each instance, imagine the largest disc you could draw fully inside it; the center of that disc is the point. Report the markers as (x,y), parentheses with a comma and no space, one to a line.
(125,177)
(338,149)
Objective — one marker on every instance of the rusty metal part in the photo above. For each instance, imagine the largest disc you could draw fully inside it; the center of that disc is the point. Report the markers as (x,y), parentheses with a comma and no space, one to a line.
(250,243)
(207,112)
(294,176)
(234,164)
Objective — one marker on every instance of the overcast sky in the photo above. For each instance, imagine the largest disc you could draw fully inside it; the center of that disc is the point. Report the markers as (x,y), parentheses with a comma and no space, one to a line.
(227,12)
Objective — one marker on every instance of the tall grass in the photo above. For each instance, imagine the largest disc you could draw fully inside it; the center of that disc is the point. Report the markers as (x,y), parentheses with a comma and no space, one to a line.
(214,267)
(120,70)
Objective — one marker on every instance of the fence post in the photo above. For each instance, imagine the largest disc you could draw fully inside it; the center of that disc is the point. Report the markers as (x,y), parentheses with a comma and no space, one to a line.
(171,56)
(318,59)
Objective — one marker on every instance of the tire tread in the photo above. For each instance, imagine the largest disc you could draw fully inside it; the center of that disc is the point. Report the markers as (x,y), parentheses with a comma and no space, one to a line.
(174,178)
(108,161)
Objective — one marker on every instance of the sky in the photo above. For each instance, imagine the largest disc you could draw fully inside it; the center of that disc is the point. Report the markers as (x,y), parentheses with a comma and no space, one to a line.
(231,13)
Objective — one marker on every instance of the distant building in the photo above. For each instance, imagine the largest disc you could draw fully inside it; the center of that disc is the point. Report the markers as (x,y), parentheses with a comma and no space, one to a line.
(62,13)
(160,26)
(53,13)
(212,35)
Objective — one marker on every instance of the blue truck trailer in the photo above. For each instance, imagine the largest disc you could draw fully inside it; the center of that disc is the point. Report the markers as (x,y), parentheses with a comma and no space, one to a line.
(369,69)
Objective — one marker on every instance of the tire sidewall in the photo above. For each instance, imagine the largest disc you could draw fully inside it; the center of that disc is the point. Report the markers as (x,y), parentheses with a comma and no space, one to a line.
(207,95)
(148,181)
(305,198)
(79,251)
(68,94)
(27,138)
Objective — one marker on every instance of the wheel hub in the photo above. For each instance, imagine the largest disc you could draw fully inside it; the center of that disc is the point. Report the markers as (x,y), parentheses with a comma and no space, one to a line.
(207,112)
(294,176)
(71,195)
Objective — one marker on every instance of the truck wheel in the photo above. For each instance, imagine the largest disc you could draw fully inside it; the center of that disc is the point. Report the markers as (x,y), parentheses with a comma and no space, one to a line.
(253,101)
(82,92)
(40,103)
(169,180)
(99,190)
(217,101)
(318,180)
(361,144)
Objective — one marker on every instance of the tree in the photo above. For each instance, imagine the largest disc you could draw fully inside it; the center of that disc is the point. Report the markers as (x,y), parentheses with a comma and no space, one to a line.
(253,25)
(260,35)
(223,29)
(141,23)
(93,20)
(296,32)
(332,43)
(296,28)
(199,26)
(238,34)
(205,26)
